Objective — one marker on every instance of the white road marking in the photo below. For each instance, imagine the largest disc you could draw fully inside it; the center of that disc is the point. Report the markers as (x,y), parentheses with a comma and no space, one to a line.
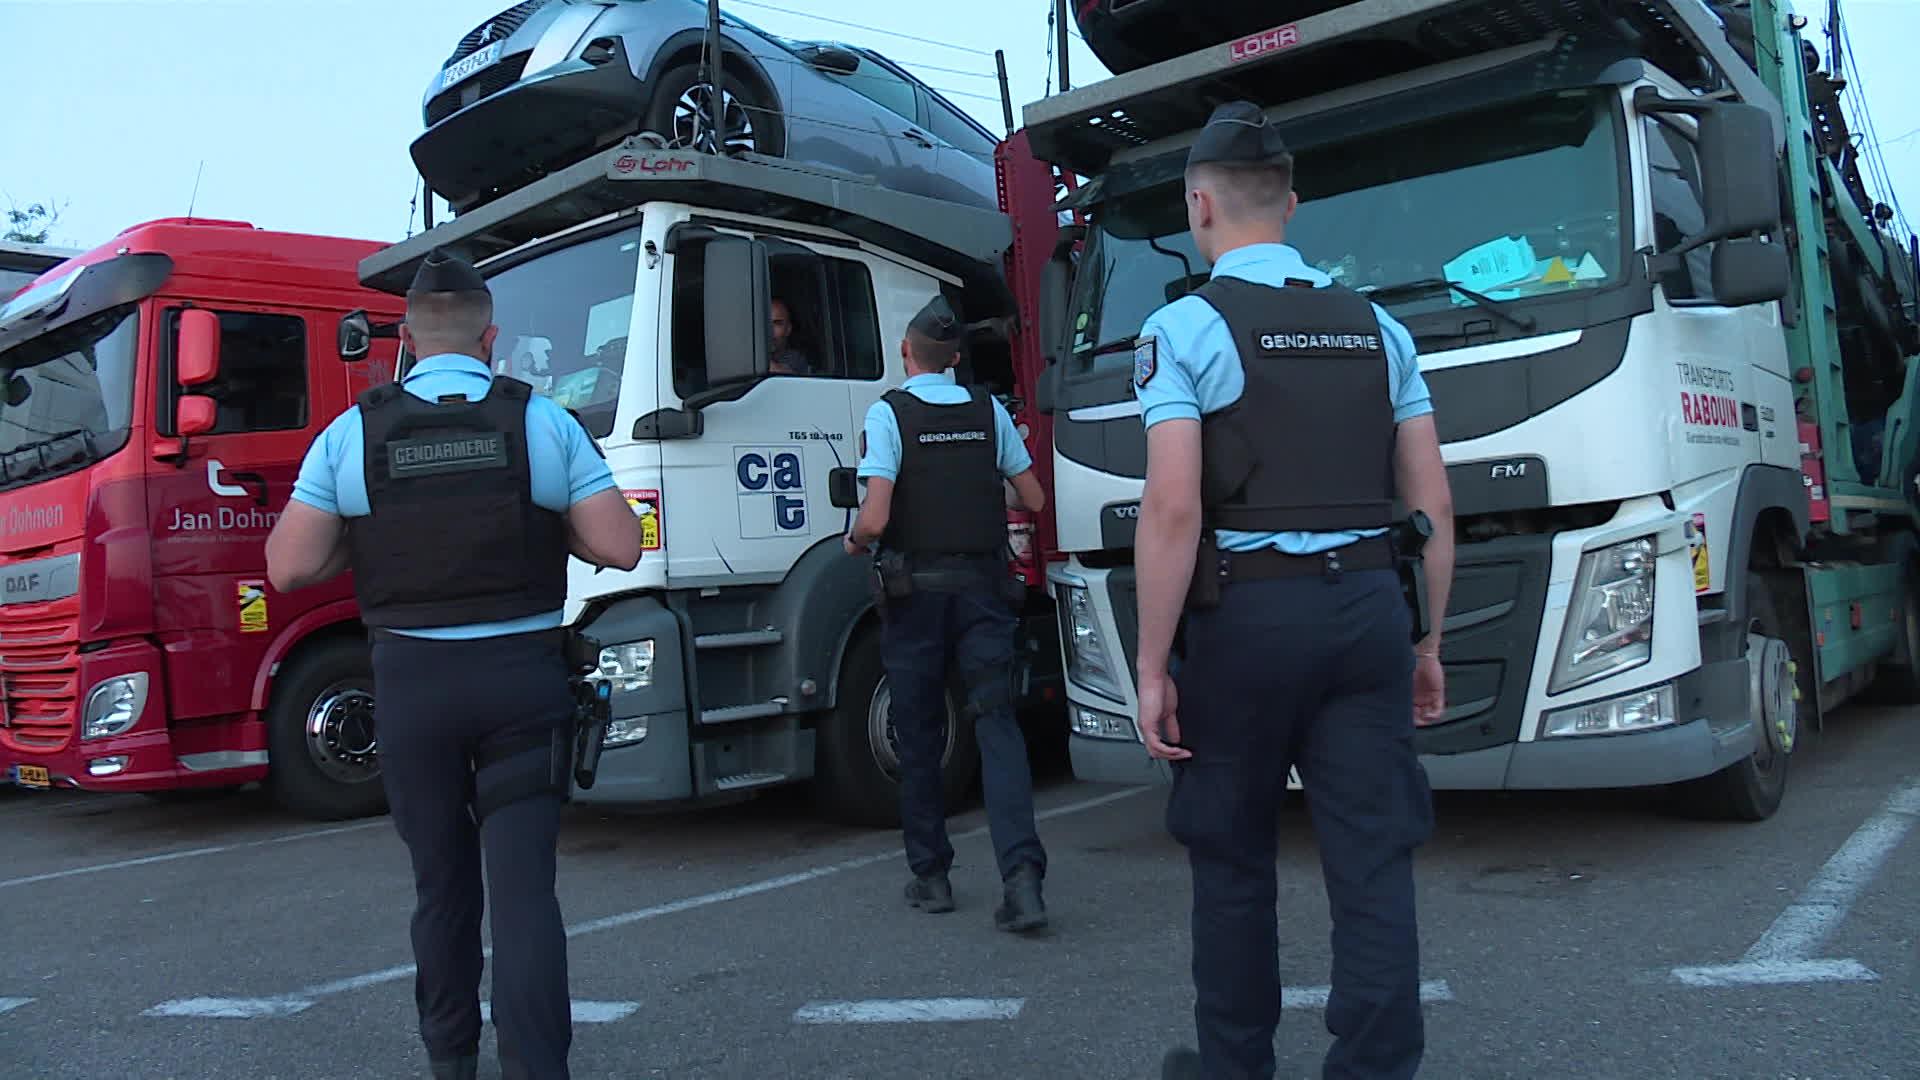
(909,1011)
(1315,997)
(229,1008)
(1784,954)
(9,1004)
(1776,973)
(584,1012)
(305,996)
(190,853)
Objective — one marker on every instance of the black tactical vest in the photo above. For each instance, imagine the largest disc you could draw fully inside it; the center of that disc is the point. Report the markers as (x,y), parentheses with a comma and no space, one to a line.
(1309,445)
(948,497)
(453,534)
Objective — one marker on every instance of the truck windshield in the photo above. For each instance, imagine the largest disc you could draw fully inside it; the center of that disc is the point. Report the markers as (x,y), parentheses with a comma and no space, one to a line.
(1515,201)
(563,319)
(68,396)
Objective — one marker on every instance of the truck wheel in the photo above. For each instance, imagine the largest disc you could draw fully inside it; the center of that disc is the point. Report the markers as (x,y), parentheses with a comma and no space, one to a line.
(1751,789)
(320,736)
(857,762)
(1901,685)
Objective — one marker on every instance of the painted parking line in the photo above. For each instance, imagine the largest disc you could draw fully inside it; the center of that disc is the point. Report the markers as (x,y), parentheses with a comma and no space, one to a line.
(267,1006)
(909,1011)
(1315,997)
(190,853)
(584,1012)
(1785,953)
(8,1004)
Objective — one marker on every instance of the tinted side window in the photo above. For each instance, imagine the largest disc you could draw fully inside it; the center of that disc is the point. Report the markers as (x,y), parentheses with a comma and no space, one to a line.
(882,87)
(1677,210)
(956,132)
(263,374)
(832,319)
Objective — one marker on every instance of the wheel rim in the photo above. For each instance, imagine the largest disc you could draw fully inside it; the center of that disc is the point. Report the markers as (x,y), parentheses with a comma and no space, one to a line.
(884,742)
(1775,694)
(692,126)
(340,734)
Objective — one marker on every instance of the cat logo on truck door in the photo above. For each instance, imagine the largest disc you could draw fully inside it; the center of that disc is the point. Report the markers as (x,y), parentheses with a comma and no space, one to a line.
(770,483)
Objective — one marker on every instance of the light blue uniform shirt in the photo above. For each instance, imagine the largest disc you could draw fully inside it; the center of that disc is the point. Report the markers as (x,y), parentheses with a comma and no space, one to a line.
(1198,371)
(882,429)
(565,467)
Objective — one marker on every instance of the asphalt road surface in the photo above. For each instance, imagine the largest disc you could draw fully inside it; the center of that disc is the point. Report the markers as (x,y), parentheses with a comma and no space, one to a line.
(1566,935)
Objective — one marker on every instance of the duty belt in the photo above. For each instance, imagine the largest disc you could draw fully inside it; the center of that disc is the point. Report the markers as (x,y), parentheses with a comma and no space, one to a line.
(1370,553)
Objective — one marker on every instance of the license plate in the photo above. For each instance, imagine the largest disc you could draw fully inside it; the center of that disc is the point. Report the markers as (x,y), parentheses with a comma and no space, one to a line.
(467,65)
(31,776)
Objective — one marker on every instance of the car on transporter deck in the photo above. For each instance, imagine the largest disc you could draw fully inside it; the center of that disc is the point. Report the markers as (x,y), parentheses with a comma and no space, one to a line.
(545,83)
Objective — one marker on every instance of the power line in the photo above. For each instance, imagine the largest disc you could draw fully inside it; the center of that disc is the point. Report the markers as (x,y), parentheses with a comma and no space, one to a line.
(861,26)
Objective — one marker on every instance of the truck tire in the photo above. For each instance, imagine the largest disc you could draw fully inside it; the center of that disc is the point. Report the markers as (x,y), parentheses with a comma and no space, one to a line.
(1900,685)
(1751,789)
(856,770)
(320,737)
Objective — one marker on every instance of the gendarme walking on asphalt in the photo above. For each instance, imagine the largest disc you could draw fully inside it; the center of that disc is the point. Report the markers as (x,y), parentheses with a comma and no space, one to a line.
(1284,416)
(935,457)
(455,497)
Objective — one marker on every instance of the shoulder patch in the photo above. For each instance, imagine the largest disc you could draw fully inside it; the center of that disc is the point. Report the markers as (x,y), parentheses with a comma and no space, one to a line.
(1146,360)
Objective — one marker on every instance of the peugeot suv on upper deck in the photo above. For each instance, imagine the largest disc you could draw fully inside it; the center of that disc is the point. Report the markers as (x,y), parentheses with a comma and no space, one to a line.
(545,83)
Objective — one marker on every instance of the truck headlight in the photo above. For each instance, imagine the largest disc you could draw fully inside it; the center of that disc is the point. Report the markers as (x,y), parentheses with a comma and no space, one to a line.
(1087,660)
(628,666)
(1641,710)
(114,705)
(1609,617)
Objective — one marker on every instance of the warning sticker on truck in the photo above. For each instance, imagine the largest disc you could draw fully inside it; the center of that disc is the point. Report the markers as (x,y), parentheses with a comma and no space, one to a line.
(252,598)
(646,503)
(1702,574)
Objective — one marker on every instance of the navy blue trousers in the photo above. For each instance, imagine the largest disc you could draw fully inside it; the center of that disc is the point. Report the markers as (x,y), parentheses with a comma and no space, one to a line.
(1316,673)
(928,634)
(438,702)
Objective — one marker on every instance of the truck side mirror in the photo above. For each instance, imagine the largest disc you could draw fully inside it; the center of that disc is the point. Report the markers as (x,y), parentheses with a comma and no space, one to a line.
(739,310)
(1750,271)
(197,360)
(843,488)
(1739,174)
(194,414)
(1056,284)
(356,336)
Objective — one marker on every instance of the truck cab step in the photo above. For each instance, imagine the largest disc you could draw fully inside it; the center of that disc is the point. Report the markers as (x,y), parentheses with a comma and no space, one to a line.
(748,780)
(741,639)
(732,714)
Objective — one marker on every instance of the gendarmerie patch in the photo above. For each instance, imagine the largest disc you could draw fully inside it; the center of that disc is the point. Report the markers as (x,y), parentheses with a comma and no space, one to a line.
(1146,360)
(446,454)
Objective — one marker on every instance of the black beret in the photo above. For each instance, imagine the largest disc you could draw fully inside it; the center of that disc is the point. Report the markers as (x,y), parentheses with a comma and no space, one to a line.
(441,272)
(936,320)
(1238,133)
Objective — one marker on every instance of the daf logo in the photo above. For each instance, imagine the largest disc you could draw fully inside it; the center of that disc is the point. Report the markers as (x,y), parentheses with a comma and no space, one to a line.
(1507,470)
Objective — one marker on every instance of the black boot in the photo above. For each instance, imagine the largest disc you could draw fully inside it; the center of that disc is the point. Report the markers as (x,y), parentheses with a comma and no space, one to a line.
(1023,909)
(1180,1064)
(932,893)
(460,1068)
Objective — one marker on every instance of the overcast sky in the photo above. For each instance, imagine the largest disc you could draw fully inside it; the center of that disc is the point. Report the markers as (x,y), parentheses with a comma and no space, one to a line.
(297,114)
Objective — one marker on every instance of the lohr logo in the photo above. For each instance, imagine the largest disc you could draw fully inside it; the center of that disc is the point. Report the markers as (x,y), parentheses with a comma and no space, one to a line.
(770,483)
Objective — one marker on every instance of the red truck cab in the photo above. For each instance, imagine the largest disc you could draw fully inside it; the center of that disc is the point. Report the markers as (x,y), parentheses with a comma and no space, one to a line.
(160,392)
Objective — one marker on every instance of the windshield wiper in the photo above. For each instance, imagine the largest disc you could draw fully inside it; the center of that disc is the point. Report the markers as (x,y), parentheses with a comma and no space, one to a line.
(38,452)
(1408,289)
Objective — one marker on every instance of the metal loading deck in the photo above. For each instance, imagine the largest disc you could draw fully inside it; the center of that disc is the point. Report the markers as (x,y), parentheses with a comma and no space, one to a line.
(1082,129)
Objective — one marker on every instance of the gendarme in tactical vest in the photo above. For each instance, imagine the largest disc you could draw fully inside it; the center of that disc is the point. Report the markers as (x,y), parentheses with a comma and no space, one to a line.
(453,534)
(1309,444)
(948,497)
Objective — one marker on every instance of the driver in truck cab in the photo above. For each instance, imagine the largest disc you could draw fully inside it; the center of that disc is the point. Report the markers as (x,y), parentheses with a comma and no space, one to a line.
(455,496)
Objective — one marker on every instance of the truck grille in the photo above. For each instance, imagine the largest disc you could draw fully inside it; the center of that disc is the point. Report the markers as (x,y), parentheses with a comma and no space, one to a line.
(39,674)
(484,85)
(503,24)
